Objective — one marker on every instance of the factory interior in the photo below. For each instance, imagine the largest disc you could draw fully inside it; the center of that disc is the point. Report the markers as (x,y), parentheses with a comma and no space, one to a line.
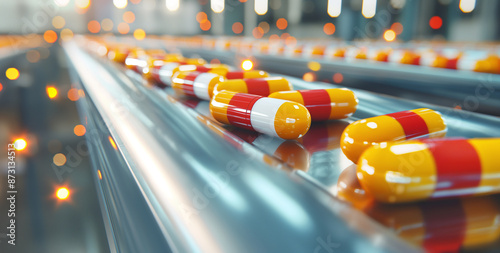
(322,126)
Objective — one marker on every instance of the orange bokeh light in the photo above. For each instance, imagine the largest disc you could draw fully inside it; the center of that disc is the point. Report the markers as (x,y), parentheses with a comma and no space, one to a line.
(123,28)
(129,17)
(329,28)
(1,87)
(338,78)
(389,35)
(139,34)
(51,91)
(62,193)
(247,65)
(201,17)
(73,94)
(397,28)
(79,130)
(435,22)
(258,32)
(309,77)
(237,27)
(50,36)
(281,23)
(205,25)
(94,26)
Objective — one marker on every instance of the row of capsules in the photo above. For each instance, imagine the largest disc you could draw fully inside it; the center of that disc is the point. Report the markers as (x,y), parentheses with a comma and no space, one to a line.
(484,59)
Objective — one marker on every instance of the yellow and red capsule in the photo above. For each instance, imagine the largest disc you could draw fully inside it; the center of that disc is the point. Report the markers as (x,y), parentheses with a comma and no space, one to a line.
(324,104)
(258,86)
(251,74)
(220,69)
(430,168)
(398,126)
(275,117)
(162,70)
(196,84)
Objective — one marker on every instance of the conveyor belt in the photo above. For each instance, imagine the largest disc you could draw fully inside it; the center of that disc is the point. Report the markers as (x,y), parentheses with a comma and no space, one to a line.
(156,125)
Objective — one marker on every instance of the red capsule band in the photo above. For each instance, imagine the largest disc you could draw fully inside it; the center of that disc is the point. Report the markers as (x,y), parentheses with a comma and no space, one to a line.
(202,69)
(445,225)
(187,86)
(258,87)
(457,162)
(412,123)
(239,108)
(318,103)
(235,75)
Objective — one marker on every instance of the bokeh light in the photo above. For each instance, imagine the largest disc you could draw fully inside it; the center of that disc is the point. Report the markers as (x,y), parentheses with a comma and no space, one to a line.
(58,22)
(79,130)
(281,23)
(20,144)
(123,28)
(59,159)
(265,26)
(94,26)
(1,87)
(435,22)
(258,32)
(120,4)
(139,34)
(73,94)
(329,28)
(66,34)
(201,17)
(50,36)
(338,78)
(397,28)
(314,66)
(82,4)
(107,24)
(389,35)
(12,73)
(129,17)
(237,27)
(33,56)
(112,142)
(247,65)
(205,25)
(51,91)
(309,77)
(62,193)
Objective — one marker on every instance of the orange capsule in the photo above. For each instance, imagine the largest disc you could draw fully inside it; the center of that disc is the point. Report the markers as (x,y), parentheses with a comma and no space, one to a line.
(220,69)
(118,54)
(431,168)
(258,86)
(449,225)
(246,74)
(323,104)
(398,126)
(196,84)
(275,117)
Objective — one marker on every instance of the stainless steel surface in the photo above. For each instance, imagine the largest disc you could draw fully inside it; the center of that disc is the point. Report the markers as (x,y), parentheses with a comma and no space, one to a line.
(205,195)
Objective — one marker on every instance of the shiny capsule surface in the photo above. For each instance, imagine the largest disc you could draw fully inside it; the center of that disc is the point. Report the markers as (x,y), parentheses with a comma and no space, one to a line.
(275,117)
(196,84)
(323,104)
(399,126)
(258,86)
(430,168)
(251,74)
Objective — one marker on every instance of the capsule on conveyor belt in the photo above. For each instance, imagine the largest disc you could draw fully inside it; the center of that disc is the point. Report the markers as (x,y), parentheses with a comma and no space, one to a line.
(323,104)
(450,225)
(162,71)
(398,126)
(258,86)
(275,117)
(431,168)
(220,69)
(251,74)
(118,54)
(196,84)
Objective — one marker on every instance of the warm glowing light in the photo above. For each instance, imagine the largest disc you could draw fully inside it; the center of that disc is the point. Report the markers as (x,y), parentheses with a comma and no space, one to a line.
(50,36)
(59,159)
(123,28)
(309,77)
(129,17)
(33,56)
(329,28)
(435,22)
(62,193)
(120,4)
(260,7)
(79,130)
(51,91)
(247,65)
(397,28)
(112,142)
(94,26)
(82,4)
(338,78)
(217,6)
(369,8)
(66,34)
(12,73)
(61,3)
(290,41)
(265,26)
(107,24)
(314,66)
(258,32)
(99,174)
(389,35)
(1,87)
(139,34)
(201,17)
(20,144)
(73,94)
(81,93)
(206,25)
(172,5)
(237,27)
(135,1)
(281,23)
(334,8)
(58,22)
(467,6)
